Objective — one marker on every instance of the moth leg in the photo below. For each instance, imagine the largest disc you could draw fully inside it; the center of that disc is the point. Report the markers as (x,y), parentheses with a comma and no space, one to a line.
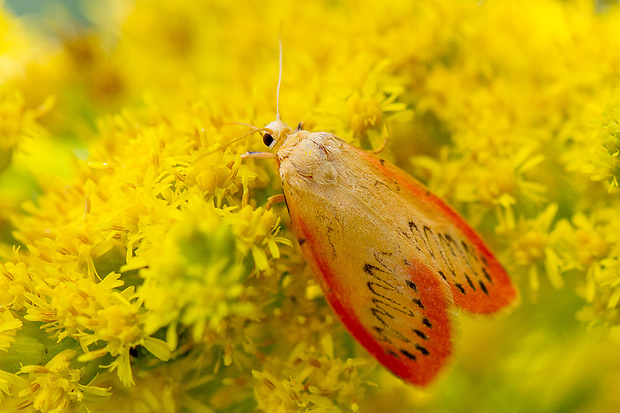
(272,200)
(246,194)
(258,155)
(382,147)
(245,199)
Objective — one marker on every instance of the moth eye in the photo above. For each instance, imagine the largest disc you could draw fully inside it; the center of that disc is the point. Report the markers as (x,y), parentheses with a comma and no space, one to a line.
(268,139)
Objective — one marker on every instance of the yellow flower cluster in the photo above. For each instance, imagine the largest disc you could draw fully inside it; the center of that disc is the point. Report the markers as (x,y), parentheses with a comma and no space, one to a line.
(140,270)
(321,382)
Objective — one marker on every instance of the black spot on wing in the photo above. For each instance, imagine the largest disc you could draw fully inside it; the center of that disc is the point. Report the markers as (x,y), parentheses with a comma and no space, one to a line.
(486,274)
(378,183)
(412,285)
(421,349)
(471,284)
(420,334)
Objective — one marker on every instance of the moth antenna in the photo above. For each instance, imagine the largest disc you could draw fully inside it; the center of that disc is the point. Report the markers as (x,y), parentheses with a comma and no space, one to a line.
(241,123)
(237,139)
(279,81)
(254,128)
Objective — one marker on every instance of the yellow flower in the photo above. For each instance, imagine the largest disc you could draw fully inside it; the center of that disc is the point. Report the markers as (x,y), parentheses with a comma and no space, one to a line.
(596,252)
(16,279)
(195,275)
(9,383)
(312,380)
(93,312)
(536,244)
(610,140)
(590,244)
(55,387)
(8,327)
(363,112)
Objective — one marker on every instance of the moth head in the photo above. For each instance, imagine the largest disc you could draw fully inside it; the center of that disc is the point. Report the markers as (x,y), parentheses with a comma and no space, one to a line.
(275,134)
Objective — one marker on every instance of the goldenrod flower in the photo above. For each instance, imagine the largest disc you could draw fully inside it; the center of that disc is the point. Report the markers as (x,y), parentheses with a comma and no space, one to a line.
(54,387)
(312,380)
(8,327)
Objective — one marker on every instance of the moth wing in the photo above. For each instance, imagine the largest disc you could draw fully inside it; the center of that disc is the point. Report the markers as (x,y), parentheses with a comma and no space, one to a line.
(477,280)
(393,303)
(399,313)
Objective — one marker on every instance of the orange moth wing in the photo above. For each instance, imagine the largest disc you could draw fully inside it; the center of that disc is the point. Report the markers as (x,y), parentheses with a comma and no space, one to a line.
(478,282)
(401,317)
(392,259)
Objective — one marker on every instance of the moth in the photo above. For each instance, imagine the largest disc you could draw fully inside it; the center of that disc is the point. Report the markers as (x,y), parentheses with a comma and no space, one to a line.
(393,260)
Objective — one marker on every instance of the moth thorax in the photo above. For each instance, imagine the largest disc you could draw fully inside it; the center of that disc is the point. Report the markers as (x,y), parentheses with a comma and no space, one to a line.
(309,159)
